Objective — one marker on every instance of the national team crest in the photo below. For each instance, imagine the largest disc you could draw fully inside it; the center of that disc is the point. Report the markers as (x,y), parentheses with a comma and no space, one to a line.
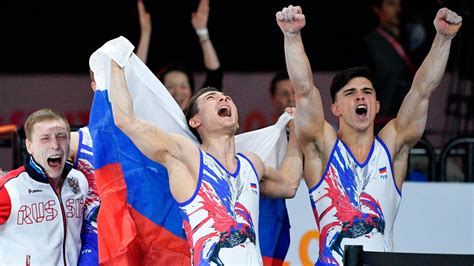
(253,187)
(383,172)
(74,184)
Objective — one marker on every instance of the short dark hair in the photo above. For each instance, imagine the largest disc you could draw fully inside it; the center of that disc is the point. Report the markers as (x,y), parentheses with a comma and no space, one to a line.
(282,75)
(180,68)
(192,108)
(343,77)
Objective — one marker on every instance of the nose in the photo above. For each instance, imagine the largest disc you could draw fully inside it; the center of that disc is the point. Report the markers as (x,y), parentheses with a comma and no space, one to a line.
(360,96)
(54,144)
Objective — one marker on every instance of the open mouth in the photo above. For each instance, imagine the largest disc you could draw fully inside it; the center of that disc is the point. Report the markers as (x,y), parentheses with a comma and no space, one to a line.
(224,111)
(54,161)
(361,110)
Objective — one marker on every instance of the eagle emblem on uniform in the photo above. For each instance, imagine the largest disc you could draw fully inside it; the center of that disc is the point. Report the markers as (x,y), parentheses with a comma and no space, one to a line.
(74,184)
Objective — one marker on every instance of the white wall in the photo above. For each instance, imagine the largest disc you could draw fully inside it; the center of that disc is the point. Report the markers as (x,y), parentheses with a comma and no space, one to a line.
(433,218)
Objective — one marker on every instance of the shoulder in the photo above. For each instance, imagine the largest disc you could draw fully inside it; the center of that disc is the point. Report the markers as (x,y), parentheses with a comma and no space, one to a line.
(78,175)
(5,200)
(255,160)
(390,136)
(76,178)
(10,176)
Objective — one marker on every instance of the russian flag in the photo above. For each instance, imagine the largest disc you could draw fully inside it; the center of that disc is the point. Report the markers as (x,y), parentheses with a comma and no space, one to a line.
(274,231)
(383,170)
(139,221)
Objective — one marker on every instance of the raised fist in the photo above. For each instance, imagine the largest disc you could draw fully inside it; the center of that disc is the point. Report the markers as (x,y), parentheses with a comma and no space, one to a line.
(290,20)
(447,23)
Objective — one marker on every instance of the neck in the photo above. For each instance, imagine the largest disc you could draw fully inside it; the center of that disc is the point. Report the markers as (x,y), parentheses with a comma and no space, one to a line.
(222,148)
(353,138)
(394,29)
(358,142)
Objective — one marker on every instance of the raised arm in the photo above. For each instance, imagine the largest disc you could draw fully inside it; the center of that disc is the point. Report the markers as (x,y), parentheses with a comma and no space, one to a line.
(284,182)
(309,119)
(403,132)
(145,31)
(151,140)
(211,60)
(411,119)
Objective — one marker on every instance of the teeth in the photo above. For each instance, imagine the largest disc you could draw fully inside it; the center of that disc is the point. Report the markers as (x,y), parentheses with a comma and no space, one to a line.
(55,156)
(224,111)
(361,109)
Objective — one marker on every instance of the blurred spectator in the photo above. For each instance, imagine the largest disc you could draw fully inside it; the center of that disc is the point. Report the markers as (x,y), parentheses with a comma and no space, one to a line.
(274,221)
(282,94)
(384,53)
(179,79)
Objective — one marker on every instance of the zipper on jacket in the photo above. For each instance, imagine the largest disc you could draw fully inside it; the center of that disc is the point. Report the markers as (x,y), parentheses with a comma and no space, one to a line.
(58,194)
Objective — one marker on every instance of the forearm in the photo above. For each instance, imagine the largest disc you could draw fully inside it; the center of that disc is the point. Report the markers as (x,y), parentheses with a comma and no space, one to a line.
(298,65)
(411,118)
(291,168)
(211,60)
(143,46)
(431,71)
(122,106)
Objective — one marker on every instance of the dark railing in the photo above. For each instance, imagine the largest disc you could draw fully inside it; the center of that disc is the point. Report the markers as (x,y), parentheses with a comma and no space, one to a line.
(9,139)
(464,147)
(425,148)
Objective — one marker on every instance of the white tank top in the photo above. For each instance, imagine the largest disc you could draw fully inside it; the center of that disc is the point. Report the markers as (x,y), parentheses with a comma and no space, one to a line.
(355,203)
(221,218)
(84,163)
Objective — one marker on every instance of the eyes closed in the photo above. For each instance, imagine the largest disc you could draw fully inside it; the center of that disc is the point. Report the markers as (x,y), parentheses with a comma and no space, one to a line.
(354,90)
(213,96)
(59,136)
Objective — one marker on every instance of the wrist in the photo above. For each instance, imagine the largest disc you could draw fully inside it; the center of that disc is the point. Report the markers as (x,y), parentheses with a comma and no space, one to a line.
(203,33)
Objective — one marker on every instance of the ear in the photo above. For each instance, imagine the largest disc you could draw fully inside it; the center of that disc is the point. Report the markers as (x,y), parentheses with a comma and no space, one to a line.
(28,146)
(194,122)
(335,110)
(377,106)
(93,85)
